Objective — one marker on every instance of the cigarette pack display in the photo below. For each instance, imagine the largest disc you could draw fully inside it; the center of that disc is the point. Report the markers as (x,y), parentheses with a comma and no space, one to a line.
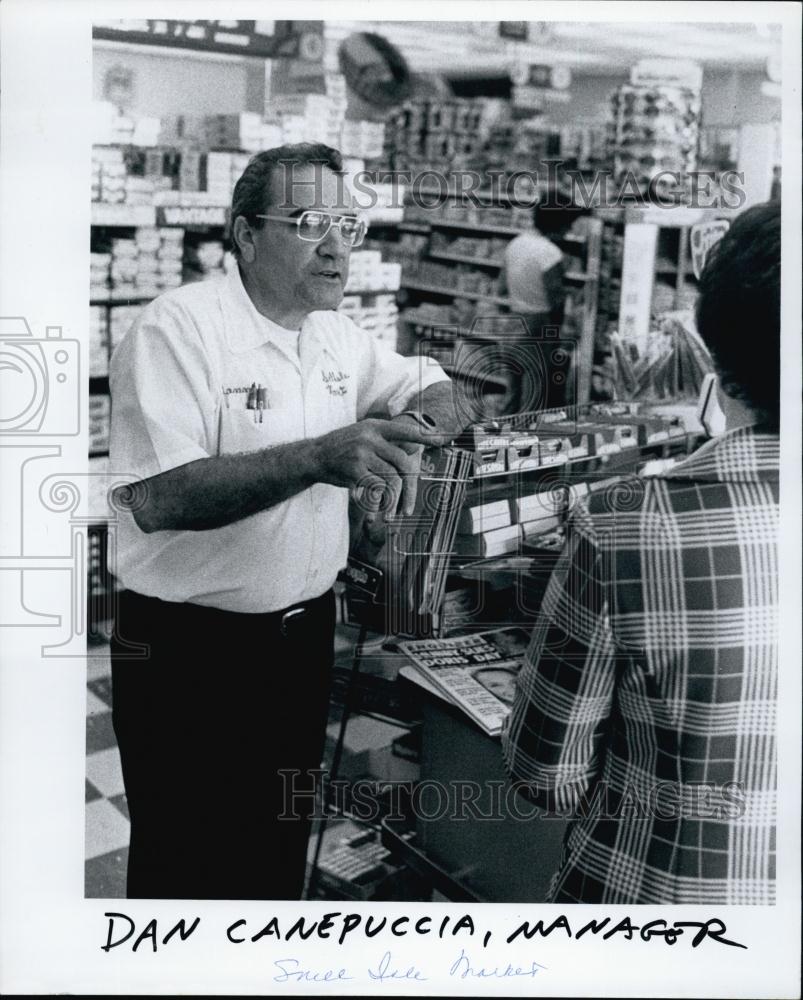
(554,450)
(572,443)
(489,461)
(523,452)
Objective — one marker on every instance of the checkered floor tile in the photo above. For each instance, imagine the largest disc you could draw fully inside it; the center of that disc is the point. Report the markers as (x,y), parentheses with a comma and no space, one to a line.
(106,845)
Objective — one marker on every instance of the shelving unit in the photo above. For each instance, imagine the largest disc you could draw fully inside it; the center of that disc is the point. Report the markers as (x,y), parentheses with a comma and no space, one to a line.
(455,293)
(467,259)
(417,287)
(109,220)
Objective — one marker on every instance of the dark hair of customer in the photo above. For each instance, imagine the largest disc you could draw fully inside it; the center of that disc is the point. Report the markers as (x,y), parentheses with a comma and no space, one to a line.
(551,217)
(739,310)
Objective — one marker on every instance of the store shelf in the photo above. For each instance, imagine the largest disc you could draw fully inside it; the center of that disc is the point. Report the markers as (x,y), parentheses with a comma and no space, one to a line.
(477,227)
(611,464)
(455,293)
(415,227)
(122,300)
(488,195)
(575,276)
(467,259)
(122,215)
(370,291)
(99,454)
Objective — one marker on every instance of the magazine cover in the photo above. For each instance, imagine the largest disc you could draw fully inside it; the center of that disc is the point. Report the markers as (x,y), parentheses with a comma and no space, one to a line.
(477,672)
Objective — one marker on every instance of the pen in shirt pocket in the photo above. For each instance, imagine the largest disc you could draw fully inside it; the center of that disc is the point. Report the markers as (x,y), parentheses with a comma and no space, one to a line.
(262,400)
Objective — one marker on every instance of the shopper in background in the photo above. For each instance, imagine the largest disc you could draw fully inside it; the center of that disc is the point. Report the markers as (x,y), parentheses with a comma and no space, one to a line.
(650,684)
(246,408)
(534,278)
(534,270)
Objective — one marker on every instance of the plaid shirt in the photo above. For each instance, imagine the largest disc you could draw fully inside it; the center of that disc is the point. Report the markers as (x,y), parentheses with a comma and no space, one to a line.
(646,708)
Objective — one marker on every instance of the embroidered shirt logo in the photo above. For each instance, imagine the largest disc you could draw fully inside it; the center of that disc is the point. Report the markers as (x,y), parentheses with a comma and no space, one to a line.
(335,382)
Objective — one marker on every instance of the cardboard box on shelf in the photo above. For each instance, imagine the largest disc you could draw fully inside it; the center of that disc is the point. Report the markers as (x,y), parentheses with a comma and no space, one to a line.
(484,517)
(496,542)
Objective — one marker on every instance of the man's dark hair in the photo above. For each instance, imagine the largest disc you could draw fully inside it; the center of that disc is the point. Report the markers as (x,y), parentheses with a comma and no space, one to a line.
(252,191)
(739,309)
(553,218)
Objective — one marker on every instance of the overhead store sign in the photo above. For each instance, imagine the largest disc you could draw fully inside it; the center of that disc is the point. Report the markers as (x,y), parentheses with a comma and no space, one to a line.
(191,215)
(260,39)
(534,84)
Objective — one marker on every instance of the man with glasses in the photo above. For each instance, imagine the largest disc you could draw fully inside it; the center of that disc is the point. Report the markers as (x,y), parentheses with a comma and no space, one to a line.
(246,408)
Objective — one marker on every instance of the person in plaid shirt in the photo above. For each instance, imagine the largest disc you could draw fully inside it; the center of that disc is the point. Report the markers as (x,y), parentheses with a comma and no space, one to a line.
(646,707)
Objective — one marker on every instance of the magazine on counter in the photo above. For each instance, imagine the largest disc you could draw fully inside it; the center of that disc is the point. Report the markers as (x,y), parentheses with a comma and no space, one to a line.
(476,672)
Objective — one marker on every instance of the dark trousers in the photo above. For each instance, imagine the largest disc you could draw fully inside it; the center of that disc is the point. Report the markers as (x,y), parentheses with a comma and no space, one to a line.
(204,722)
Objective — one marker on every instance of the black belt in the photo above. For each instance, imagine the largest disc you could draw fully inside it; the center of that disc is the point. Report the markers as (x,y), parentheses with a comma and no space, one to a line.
(284,621)
(297,614)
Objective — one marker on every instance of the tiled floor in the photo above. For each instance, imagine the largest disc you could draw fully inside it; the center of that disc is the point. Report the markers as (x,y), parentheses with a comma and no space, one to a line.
(106,810)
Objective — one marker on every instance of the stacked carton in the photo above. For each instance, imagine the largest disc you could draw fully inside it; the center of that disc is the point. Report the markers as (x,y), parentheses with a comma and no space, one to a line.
(147,264)
(99,275)
(99,416)
(98,341)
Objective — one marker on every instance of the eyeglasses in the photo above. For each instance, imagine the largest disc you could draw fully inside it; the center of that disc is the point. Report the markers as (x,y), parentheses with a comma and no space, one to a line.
(313,226)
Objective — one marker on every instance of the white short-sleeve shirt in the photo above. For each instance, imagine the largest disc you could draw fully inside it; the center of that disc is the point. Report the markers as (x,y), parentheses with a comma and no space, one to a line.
(527,258)
(179,385)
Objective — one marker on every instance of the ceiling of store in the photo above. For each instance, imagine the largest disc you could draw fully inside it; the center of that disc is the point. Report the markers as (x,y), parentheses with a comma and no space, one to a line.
(460,48)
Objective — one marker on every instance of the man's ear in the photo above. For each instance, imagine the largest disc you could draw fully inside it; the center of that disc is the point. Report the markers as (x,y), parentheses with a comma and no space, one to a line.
(243,237)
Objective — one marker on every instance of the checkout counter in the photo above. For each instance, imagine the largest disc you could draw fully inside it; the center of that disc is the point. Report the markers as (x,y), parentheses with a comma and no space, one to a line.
(487,848)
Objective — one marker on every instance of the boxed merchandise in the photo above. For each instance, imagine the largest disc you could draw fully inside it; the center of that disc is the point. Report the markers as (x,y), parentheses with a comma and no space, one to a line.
(489,461)
(489,543)
(489,445)
(576,492)
(98,342)
(567,442)
(532,529)
(538,506)
(484,517)
(554,450)
(523,452)
(99,416)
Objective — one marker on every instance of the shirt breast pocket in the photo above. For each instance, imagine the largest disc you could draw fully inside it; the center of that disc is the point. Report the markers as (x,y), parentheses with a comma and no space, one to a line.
(240,429)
